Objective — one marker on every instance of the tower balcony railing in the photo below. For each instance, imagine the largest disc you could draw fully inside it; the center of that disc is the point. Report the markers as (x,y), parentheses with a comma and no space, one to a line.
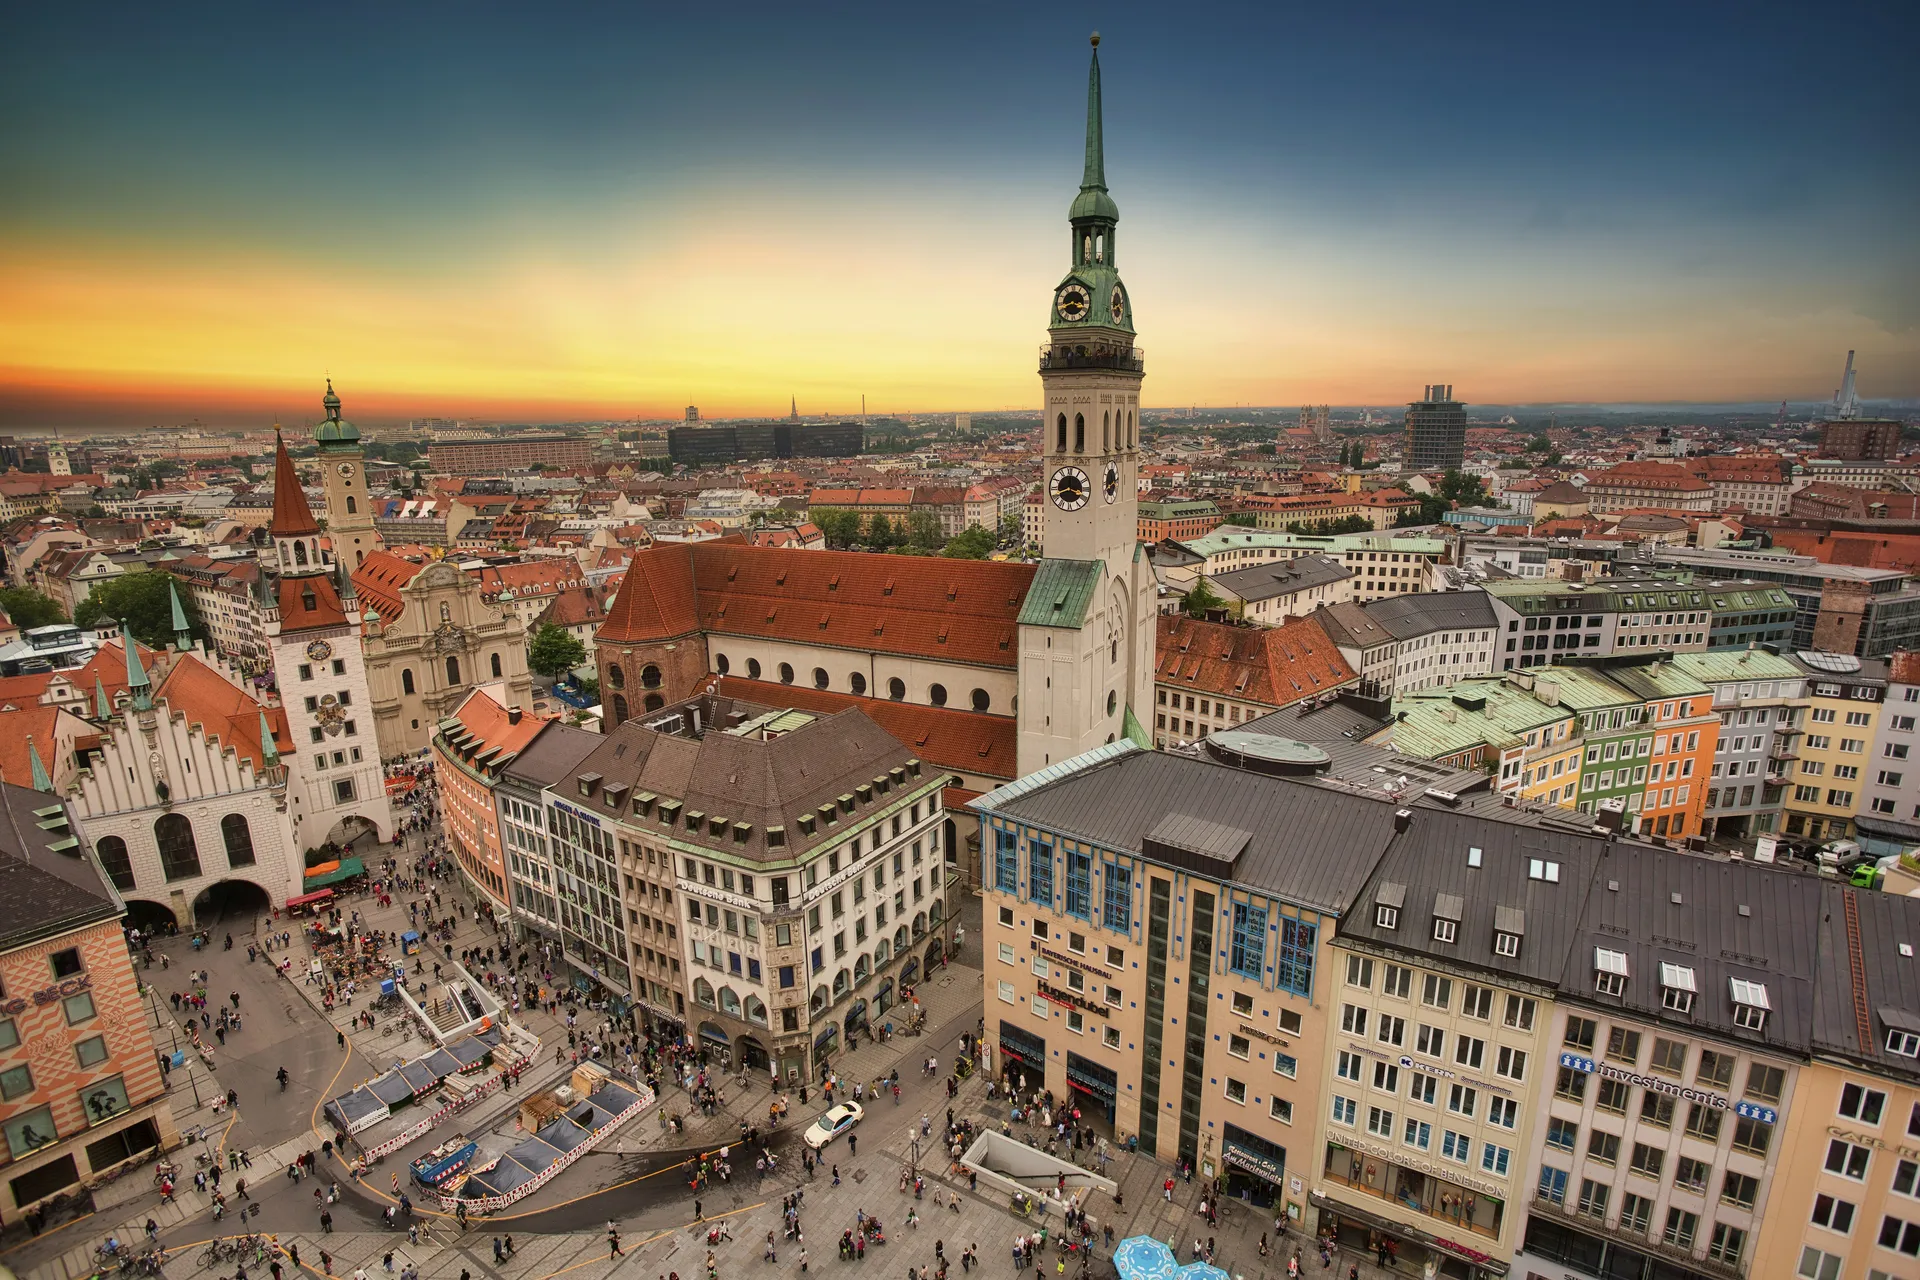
(1123,357)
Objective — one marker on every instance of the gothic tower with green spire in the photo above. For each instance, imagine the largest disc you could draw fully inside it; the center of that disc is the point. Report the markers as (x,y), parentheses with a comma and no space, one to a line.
(344,478)
(1087,630)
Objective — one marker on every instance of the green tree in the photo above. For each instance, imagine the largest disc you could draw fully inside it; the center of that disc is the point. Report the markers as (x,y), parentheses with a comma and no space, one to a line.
(1540,444)
(837,525)
(555,651)
(1461,489)
(971,543)
(1201,597)
(144,601)
(1243,520)
(923,529)
(28,608)
(880,534)
(1010,529)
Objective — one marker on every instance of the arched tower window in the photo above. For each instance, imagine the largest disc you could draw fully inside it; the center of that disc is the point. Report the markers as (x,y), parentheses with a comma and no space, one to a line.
(406,679)
(1106,429)
(299,552)
(112,851)
(1099,248)
(1086,248)
(179,855)
(453,670)
(619,708)
(351,507)
(650,676)
(897,689)
(239,840)
(1079,433)
(655,702)
(1062,446)
(496,666)
(1129,428)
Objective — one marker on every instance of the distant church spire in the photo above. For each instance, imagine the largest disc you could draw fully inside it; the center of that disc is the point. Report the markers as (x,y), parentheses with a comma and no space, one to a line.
(182,639)
(1095,177)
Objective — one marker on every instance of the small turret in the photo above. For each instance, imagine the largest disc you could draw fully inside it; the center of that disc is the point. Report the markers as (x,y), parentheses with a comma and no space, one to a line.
(137,683)
(41,782)
(182,636)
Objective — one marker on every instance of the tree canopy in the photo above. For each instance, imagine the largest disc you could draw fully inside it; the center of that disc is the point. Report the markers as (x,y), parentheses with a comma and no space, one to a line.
(555,651)
(28,608)
(143,600)
(971,543)
(1201,597)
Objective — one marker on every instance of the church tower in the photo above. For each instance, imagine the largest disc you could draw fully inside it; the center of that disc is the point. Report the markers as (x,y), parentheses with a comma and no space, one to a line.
(343,474)
(1087,630)
(335,786)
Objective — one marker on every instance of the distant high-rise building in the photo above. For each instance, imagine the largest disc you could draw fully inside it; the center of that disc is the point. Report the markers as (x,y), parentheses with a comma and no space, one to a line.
(1316,419)
(1436,430)
(693,413)
(963,422)
(1846,435)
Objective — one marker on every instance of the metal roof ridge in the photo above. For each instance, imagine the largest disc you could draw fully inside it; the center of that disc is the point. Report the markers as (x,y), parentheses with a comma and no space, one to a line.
(1011,791)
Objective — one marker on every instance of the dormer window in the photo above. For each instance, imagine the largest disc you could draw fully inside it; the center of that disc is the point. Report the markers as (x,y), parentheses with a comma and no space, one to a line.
(1904,1043)
(1387,904)
(1541,869)
(1509,926)
(1447,910)
(1506,944)
(1609,971)
(1677,987)
(1750,1003)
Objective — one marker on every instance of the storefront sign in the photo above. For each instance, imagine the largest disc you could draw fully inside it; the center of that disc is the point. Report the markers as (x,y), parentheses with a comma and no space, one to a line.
(1253,1162)
(1869,1140)
(1414,1064)
(1057,958)
(1754,1111)
(1268,1036)
(1050,992)
(1611,1072)
(47,995)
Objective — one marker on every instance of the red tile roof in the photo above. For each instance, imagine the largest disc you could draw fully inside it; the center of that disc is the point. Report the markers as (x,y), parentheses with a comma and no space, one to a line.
(965,741)
(310,603)
(964,611)
(1272,666)
(16,726)
(229,714)
(379,579)
(292,517)
(493,726)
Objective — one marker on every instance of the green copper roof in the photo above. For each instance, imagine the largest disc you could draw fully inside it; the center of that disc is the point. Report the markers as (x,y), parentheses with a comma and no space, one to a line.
(1060,594)
(1737,664)
(137,683)
(1093,200)
(1136,733)
(41,782)
(268,747)
(103,709)
(335,430)
(180,635)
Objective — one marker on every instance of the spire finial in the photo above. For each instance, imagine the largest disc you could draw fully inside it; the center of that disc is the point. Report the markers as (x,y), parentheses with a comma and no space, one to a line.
(269,749)
(102,706)
(1096,170)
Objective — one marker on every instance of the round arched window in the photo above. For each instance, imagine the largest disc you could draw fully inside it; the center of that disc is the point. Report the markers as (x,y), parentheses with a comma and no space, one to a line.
(981,700)
(650,676)
(897,689)
(655,702)
(615,676)
(786,673)
(1113,701)
(819,677)
(937,695)
(857,682)
(721,664)
(753,668)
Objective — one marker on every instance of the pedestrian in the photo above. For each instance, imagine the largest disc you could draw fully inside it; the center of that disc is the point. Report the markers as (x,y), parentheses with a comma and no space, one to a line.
(836,1175)
(326,1222)
(697,1215)
(853,1144)
(613,1243)
(498,1256)
(509,1246)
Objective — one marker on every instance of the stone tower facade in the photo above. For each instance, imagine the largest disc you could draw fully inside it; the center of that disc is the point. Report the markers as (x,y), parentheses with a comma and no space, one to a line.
(343,475)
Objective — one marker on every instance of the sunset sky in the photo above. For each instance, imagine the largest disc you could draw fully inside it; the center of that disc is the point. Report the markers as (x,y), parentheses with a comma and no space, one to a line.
(566,211)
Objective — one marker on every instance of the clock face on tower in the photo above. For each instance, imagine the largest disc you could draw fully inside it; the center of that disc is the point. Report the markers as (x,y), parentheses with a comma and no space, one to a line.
(346,471)
(319,651)
(1073,302)
(1071,489)
(1112,484)
(1117,305)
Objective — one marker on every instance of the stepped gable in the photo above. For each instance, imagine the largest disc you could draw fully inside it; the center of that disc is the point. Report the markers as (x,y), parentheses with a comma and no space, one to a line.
(226,712)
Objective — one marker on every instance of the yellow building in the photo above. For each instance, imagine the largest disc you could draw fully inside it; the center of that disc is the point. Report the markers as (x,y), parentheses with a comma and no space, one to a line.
(1829,779)
(1846,1201)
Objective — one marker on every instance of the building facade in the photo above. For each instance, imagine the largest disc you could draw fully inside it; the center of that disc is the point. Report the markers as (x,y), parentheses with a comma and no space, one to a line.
(1436,438)
(343,477)
(81,1093)
(1835,761)
(509,453)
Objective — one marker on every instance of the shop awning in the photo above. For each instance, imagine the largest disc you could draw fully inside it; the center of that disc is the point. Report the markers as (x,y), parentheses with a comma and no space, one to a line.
(347,869)
(306,899)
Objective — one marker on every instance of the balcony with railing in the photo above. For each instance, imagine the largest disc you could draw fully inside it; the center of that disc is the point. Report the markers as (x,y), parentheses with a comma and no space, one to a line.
(1122,357)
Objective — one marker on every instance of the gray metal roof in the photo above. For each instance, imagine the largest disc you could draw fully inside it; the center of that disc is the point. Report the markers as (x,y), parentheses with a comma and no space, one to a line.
(555,752)
(1720,918)
(1307,845)
(1428,872)
(1282,577)
(1882,923)
(48,884)
(1408,617)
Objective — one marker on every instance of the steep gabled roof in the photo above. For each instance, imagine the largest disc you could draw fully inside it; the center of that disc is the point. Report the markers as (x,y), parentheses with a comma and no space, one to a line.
(292,517)
(227,713)
(1272,666)
(309,604)
(967,741)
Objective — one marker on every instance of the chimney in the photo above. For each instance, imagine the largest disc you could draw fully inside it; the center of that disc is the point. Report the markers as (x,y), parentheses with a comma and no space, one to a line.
(513,715)
(1402,819)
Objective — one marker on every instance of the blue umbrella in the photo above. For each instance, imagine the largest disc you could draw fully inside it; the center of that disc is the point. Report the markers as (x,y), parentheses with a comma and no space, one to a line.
(1201,1271)
(1144,1258)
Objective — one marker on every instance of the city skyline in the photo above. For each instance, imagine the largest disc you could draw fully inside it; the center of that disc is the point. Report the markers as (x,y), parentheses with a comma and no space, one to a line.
(611,219)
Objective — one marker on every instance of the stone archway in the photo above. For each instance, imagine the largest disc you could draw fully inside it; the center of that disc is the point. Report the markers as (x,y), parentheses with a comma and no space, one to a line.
(230,901)
(146,915)
(355,833)
(935,954)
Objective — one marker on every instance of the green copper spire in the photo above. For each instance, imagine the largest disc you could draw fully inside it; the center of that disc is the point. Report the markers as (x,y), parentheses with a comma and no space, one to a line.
(181,637)
(137,683)
(268,747)
(102,707)
(1093,200)
(41,782)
